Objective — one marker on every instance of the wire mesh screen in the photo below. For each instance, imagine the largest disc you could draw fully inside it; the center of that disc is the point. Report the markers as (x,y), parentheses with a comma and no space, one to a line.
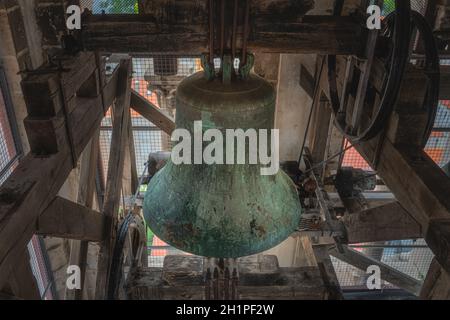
(111,6)
(438,146)
(411,257)
(105,147)
(8,150)
(352,158)
(158,250)
(418,5)
(156,79)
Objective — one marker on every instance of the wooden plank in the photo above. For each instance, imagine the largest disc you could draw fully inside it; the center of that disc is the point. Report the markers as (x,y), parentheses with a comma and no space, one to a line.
(388,273)
(178,34)
(37,180)
(121,114)
(152,113)
(66,219)
(383,223)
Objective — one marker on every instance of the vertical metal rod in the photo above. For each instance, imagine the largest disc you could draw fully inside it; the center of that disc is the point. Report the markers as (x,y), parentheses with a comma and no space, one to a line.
(235,19)
(211,32)
(246,33)
(222,28)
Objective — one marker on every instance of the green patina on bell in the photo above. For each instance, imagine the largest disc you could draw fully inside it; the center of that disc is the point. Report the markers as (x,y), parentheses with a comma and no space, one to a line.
(222,211)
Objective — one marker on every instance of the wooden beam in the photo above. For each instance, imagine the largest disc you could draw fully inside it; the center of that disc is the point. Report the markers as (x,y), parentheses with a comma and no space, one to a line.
(22,281)
(41,86)
(417,182)
(121,114)
(319,132)
(37,180)
(86,191)
(130,175)
(383,223)
(152,113)
(66,219)
(179,34)
(6,296)
(419,185)
(307,81)
(388,273)
(444,91)
(437,283)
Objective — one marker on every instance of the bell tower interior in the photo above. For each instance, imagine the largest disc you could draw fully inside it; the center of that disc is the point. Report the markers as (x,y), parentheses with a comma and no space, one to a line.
(224,150)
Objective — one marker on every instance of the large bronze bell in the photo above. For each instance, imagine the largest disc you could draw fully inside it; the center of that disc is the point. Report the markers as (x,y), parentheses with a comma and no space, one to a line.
(220,210)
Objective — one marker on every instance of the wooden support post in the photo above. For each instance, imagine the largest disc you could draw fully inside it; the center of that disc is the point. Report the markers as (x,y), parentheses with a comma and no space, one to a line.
(130,175)
(37,180)
(111,204)
(388,273)
(86,191)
